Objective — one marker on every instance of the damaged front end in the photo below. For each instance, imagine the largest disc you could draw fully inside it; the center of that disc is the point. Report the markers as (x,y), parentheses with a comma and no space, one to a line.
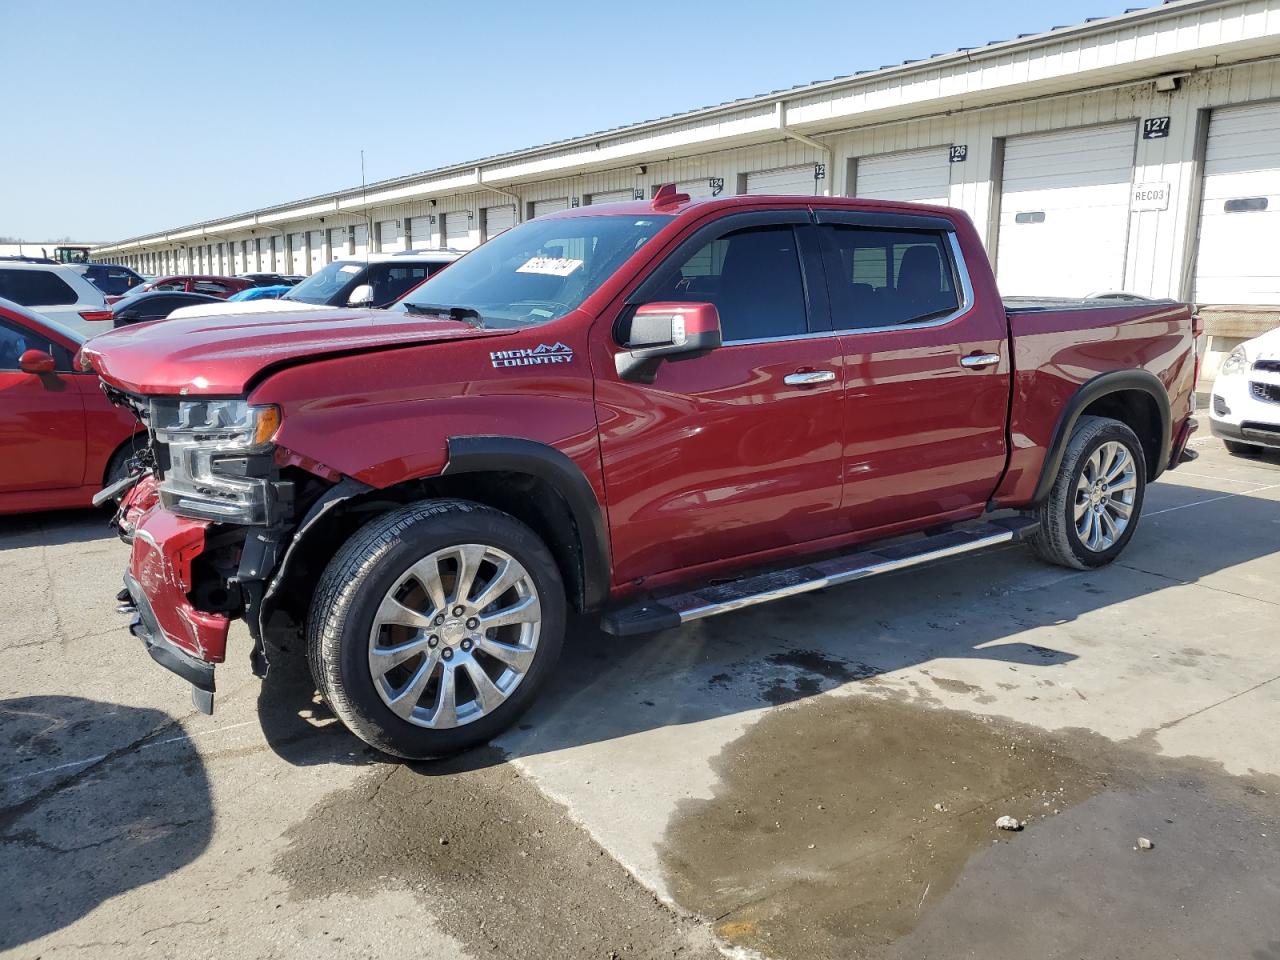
(212,518)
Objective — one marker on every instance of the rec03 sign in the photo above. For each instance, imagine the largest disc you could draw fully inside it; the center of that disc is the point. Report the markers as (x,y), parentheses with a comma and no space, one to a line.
(1149,196)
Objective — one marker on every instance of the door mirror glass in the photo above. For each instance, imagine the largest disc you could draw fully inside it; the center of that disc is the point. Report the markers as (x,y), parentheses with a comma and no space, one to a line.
(35,361)
(361,296)
(667,331)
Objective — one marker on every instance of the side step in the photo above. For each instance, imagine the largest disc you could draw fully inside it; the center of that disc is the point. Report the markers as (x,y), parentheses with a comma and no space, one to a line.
(671,611)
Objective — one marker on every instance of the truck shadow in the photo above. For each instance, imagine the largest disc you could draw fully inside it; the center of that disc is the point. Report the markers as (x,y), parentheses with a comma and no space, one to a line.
(51,528)
(993,606)
(108,815)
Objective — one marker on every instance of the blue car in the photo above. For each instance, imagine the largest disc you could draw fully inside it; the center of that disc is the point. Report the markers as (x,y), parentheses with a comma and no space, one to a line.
(259,293)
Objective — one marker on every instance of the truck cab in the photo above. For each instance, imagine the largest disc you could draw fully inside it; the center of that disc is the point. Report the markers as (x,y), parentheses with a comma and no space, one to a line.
(648,412)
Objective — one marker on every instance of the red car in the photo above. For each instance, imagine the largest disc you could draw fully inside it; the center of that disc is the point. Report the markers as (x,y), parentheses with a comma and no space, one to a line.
(653,412)
(61,439)
(220,287)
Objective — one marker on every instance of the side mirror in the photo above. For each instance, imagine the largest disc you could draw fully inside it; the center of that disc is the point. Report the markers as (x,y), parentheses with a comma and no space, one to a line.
(361,296)
(667,331)
(35,361)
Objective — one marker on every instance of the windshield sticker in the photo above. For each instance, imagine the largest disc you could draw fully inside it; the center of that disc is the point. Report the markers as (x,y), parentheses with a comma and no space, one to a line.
(550,266)
(349,268)
(541,354)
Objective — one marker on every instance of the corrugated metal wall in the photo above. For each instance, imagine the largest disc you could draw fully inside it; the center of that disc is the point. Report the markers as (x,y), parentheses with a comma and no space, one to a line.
(1158,258)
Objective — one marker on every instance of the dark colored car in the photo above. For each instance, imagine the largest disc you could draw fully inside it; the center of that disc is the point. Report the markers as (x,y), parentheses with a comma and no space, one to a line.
(654,412)
(111,278)
(269,279)
(377,280)
(155,305)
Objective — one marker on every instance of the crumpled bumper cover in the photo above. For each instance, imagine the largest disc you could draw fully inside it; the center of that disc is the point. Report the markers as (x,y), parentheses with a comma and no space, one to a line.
(178,636)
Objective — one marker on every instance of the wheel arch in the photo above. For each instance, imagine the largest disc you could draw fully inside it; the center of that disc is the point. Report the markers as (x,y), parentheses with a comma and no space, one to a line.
(543,488)
(533,482)
(1136,398)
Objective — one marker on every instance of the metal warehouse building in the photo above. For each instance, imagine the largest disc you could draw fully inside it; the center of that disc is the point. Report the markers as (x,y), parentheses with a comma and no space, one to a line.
(1137,153)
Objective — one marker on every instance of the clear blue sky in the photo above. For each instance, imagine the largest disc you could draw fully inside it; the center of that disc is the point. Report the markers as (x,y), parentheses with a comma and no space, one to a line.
(127,117)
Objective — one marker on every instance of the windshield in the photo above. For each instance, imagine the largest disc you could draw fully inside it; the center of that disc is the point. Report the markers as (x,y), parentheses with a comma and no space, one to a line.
(535,272)
(324,285)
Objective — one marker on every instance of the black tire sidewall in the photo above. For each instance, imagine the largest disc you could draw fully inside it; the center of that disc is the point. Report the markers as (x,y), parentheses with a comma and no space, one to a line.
(394,556)
(1110,431)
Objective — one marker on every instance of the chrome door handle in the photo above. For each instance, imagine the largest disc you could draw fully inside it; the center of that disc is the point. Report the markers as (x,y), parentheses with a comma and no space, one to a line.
(808,378)
(979,360)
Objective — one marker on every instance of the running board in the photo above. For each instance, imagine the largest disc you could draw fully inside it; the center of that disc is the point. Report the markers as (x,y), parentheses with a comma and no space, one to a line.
(667,612)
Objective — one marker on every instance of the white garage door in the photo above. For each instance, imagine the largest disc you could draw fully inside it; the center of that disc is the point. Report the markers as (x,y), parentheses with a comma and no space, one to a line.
(788,180)
(457,230)
(298,260)
(389,237)
(361,232)
(317,249)
(270,246)
(549,206)
(338,242)
(497,219)
(920,176)
(611,196)
(1237,260)
(238,246)
(1064,212)
(418,233)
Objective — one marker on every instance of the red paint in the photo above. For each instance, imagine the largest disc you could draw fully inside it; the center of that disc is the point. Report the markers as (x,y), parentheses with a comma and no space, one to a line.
(225,354)
(716,465)
(58,431)
(190,283)
(163,548)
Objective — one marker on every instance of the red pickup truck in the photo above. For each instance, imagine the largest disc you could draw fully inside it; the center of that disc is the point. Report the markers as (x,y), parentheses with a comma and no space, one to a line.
(653,412)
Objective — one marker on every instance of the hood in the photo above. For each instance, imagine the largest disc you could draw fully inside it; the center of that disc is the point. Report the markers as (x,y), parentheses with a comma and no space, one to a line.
(1265,347)
(224,307)
(222,354)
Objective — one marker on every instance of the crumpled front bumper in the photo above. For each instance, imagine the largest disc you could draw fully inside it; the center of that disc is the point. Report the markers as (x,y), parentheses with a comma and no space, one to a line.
(158,580)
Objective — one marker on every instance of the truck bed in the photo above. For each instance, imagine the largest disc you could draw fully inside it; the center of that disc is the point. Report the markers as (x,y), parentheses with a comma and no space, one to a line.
(1015,305)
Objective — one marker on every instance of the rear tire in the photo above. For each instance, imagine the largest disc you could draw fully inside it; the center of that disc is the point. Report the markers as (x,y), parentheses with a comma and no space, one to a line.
(1092,510)
(1238,449)
(396,635)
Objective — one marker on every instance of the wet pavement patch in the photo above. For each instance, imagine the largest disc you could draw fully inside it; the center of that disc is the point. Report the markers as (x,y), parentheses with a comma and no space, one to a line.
(502,868)
(864,826)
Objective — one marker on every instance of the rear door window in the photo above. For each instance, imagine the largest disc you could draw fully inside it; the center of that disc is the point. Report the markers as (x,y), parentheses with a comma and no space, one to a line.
(884,278)
(211,287)
(35,288)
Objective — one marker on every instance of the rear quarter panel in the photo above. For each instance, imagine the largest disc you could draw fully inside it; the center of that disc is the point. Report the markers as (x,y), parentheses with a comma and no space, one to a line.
(1057,351)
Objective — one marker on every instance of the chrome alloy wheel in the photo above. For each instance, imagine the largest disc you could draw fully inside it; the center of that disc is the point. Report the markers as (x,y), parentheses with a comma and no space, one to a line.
(454,636)
(1104,496)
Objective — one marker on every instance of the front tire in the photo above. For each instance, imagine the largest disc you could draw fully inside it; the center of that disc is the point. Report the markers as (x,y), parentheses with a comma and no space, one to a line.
(1092,510)
(433,628)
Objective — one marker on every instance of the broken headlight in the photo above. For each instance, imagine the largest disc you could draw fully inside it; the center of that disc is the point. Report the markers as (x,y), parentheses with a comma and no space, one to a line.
(218,458)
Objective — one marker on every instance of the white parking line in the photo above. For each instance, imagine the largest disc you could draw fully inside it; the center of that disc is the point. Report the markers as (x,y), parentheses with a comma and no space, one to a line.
(102,756)
(1200,503)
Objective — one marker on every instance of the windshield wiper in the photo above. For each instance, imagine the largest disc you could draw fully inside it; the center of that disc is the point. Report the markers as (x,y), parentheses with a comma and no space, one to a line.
(468,315)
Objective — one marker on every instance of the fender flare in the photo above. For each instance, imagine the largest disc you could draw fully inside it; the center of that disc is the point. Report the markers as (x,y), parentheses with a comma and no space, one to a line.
(497,454)
(1100,386)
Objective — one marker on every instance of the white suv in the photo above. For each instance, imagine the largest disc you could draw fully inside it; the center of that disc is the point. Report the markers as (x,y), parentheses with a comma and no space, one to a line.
(1245,408)
(58,292)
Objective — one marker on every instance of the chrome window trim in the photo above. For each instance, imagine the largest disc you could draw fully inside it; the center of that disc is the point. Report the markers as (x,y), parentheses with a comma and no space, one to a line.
(966,304)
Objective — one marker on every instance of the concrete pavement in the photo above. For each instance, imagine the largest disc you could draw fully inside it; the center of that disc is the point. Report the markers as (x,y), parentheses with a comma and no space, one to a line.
(819,777)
